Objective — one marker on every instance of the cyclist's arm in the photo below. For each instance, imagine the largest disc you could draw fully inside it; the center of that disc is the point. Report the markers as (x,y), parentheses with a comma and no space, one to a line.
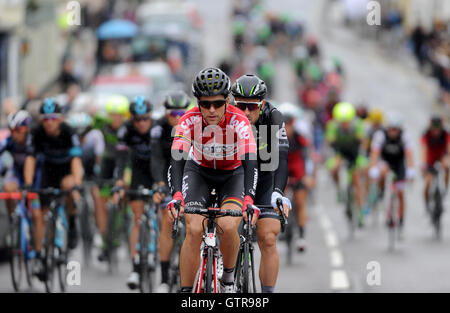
(408,151)
(175,174)
(158,162)
(30,160)
(250,165)
(423,150)
(375,149)
(282,172)
(122,154)
(75,164)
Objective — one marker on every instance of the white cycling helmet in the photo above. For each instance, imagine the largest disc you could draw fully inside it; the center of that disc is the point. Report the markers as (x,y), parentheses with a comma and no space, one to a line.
(79,121)
(290,110)
(394,120)
(19,118)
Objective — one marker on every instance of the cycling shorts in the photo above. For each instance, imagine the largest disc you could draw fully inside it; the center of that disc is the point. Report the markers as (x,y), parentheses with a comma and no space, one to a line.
(399,169)
(140,176)
(264,195)
(52,176)
(198,181)
(359,163)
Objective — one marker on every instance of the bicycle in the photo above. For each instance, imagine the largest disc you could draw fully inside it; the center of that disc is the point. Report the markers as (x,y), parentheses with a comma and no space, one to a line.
(55,250)
(147,245)
(211,266)
(352,211)
(87,224)
(20,240)
(436,194)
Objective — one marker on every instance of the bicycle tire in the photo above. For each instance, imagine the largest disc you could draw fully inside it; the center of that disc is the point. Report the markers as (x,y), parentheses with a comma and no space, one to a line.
(238,271)
(392,222)
(62,256)
(437,213)
(209,270)
(144,272)
(15,252)
(49,255)
(109,240)
(86,232)
(252,266)
(245,268)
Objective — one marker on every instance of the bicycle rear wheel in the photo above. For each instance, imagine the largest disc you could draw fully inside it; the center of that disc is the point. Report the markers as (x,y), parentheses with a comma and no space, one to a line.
(112,239)
(87,234)
(145,279)
(15,252)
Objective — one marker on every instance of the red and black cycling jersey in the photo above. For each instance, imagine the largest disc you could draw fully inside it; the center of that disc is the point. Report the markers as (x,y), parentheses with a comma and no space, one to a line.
(437,147)
(297,156)
(225,146)
(215,146)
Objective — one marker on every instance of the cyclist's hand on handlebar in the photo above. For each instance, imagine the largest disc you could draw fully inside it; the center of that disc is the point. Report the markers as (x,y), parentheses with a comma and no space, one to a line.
(76,193)
(256,211)
(158,197)
(410,174)
(286,203)
(178,196)
(117,192)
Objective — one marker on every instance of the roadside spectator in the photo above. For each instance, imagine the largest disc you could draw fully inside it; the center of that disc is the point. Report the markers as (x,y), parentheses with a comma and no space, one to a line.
(67,78)
(31,95)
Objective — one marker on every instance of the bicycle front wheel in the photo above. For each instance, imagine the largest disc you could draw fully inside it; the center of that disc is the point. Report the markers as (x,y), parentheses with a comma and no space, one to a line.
(15,252)
(49,256)
(209,271)
(145,281)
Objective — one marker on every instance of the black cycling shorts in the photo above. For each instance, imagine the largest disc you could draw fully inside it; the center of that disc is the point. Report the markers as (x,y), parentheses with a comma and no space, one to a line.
(52,176)
(140,176)
(198,181)
(107,168)
(399,170)
(264,195)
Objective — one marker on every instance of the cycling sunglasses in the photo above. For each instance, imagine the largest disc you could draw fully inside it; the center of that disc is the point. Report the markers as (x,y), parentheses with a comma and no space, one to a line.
(250,105)
(141,118)
(50,117)
(175,113)
(207,104)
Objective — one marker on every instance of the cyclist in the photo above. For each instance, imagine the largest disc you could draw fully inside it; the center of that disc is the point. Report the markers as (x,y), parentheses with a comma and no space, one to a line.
(176,103)
(435,145)
(300,179)
(117,108)
(213,147)
(62,168)
(393,147)
(135,135)
(19,126)
(345,134)
(375,118)
(249,92)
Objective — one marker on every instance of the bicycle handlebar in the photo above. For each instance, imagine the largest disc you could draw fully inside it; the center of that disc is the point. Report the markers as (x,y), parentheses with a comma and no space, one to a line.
(213,212)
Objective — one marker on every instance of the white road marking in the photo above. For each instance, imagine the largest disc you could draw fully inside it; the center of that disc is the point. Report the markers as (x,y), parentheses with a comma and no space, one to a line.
(338,278)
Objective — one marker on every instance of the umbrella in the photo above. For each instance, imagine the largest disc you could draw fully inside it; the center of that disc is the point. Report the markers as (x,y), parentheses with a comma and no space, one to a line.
(114,29)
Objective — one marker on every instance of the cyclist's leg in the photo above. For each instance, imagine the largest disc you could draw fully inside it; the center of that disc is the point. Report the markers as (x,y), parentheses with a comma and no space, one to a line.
(101,214)
(446,166)
(428,177)
(137,206)
(196,193)
(165,244)
(10,185)
(268,227)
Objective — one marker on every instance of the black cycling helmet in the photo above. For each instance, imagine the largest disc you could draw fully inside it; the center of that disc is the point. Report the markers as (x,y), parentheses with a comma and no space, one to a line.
(249,86)
(50,106)
(436,122)
(177,100)
(140,106)
(211,82)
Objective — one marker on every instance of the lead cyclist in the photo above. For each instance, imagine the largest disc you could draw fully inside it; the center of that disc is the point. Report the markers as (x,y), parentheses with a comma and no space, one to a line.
(213,148)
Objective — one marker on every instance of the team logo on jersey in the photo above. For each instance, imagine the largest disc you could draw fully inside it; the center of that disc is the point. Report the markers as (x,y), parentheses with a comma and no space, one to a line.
(240,128)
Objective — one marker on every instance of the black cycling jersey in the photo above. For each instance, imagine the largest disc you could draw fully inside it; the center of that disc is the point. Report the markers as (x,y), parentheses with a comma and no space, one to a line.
(56,150)
(393,150)
(111,141)
(18,152)
(161,146)
(270,116)
(138,144)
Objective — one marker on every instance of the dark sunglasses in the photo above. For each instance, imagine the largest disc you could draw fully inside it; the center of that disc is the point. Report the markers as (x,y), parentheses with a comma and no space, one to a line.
(176,113)
(207,104)
(50,117)
(250,105)
(141,118)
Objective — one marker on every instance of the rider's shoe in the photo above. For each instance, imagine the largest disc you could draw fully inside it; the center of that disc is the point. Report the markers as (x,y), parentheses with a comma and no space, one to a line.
(103,256)
(38,269)
(227,287)
(163,288)
(301,244)
(133,280)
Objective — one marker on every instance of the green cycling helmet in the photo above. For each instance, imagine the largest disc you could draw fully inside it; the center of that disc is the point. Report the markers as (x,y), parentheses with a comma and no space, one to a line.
(118,104)
(344,112)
